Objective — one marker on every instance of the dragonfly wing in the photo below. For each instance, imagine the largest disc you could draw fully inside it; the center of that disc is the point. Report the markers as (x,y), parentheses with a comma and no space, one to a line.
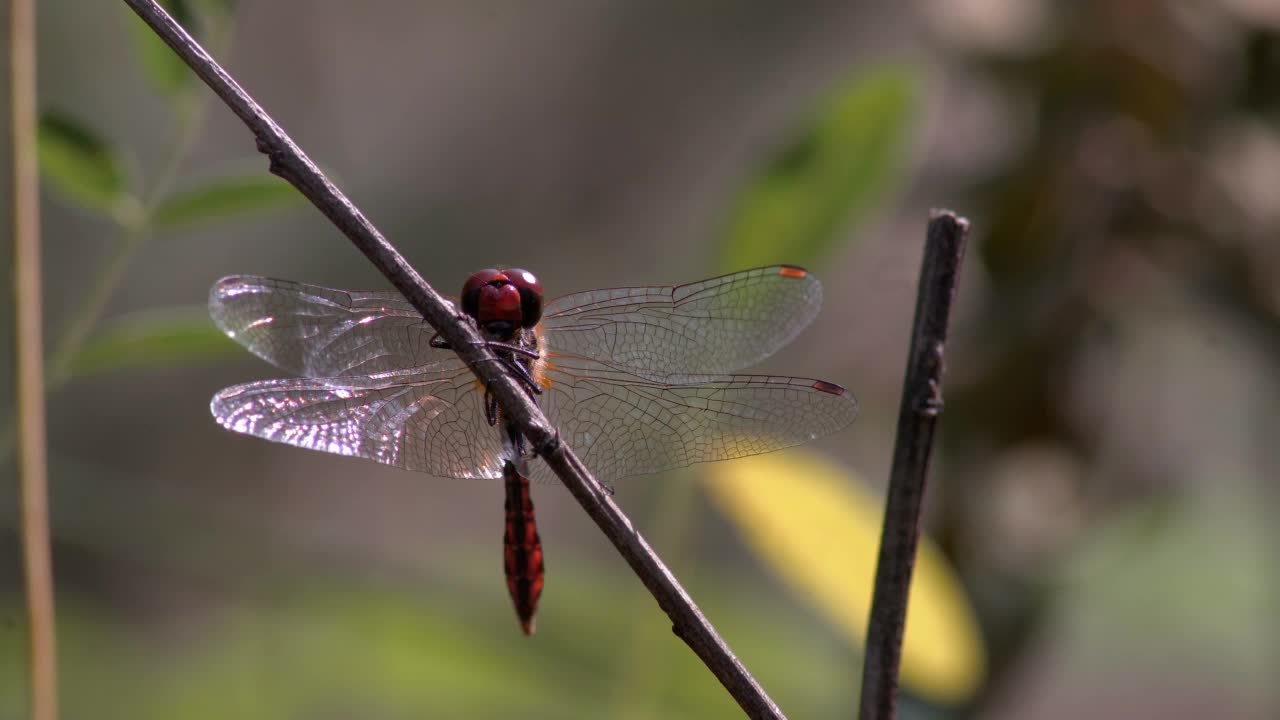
(621,424)
(431,420)
(320,332)
(672,333)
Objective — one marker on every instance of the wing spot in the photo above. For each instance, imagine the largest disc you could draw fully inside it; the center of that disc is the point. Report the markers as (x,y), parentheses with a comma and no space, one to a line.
(827,387)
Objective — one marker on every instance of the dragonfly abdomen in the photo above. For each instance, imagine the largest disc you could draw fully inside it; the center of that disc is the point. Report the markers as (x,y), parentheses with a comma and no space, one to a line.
(522,548)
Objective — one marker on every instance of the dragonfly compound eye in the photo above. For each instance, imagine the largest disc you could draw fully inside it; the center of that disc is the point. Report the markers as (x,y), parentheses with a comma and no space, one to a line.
(530,295)
(471,290)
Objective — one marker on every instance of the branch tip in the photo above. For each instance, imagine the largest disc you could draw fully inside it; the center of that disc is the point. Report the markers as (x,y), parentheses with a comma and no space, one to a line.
(918,413)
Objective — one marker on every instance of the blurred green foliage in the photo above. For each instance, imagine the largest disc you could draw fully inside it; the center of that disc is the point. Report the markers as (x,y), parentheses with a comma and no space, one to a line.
(169,337)
(826,179)
(86,171)
(223,199)
(79,164)
(311,649)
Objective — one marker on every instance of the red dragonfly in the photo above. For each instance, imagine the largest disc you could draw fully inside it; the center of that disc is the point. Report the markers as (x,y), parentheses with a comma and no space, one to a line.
(633,378)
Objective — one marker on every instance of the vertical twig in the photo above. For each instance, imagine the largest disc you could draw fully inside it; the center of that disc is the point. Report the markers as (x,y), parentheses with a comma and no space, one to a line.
(29,345)
(917,417)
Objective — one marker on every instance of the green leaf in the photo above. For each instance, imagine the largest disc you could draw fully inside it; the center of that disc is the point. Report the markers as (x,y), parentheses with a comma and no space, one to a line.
(226,197)
(164,68)
(151,338)
(803,202)
(79,164)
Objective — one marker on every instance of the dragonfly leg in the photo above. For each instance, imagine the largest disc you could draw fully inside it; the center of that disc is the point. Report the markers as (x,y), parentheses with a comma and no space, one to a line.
(499,348)
(496,346)
(522,372)
(440,343)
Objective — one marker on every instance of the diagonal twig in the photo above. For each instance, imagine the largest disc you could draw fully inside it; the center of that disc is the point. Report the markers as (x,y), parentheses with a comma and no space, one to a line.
(917,418)
(290,163)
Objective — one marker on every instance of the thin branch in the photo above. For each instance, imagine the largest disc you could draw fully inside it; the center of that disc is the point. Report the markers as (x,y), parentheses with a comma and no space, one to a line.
(29,370)
(917,418)
(290,163)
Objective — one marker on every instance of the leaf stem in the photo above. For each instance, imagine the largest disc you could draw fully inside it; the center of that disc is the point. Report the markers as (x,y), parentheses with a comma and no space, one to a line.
(29,367)
(76,331)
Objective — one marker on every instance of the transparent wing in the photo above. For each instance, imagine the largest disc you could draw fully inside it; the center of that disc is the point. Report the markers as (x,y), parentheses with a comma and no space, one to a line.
(621,424)
(319,332)
(428,419)
(432,420)
(673,333)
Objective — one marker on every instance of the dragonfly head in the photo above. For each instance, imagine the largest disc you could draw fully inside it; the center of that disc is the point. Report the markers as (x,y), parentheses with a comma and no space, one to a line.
(503,301)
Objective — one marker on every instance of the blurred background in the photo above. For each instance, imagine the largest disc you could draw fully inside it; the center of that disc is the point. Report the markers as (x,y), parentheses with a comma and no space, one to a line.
(1103,541)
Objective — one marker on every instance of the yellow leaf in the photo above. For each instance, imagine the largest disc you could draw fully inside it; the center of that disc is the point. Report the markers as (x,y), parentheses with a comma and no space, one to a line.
(818,529)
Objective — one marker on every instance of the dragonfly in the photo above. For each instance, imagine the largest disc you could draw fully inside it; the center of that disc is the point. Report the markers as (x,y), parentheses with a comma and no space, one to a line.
(637,380)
